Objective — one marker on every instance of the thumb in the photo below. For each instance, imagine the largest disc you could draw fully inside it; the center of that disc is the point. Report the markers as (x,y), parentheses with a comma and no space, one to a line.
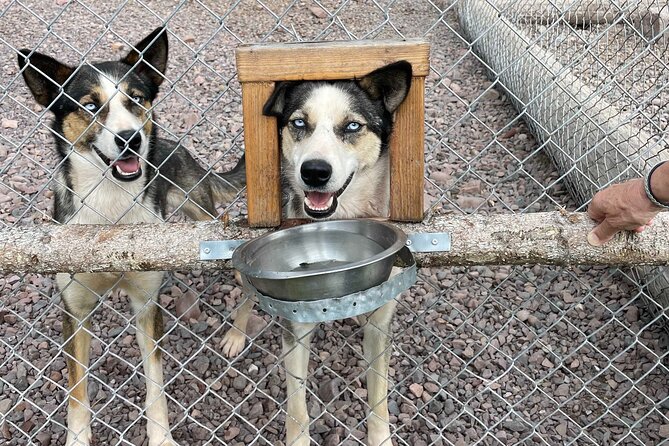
(601,234)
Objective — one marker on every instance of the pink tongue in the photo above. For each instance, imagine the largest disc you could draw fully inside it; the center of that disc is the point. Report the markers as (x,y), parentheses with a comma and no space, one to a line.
(319,199)
(128,165)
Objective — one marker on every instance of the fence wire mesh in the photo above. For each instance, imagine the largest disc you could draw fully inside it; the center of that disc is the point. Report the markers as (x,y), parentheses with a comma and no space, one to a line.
(480,355)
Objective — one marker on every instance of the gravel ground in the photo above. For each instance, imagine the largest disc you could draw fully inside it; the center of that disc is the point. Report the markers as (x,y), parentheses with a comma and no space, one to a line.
(493,356)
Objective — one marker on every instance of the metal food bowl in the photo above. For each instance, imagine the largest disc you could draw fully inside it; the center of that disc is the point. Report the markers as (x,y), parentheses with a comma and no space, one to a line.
(320,260)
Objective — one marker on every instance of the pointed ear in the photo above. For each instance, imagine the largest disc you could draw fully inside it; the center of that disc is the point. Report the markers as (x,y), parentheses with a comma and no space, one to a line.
(277,101)
(44,75)
(390,84)
(149,57)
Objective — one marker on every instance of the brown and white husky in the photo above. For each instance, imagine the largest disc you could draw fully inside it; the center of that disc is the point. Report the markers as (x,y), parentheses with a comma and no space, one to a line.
(114,169)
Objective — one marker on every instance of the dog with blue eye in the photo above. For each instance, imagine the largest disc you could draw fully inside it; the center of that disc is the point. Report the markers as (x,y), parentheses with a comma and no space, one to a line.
(334,140)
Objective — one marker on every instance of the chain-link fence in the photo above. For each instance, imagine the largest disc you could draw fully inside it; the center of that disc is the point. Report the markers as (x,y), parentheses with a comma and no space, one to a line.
(480,355)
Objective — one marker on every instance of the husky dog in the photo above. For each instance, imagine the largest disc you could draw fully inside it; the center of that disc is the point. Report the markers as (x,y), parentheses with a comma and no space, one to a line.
(114,169)
(334,141)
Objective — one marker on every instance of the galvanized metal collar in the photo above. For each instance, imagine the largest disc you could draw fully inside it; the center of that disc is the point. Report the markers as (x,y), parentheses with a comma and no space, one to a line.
(343,307)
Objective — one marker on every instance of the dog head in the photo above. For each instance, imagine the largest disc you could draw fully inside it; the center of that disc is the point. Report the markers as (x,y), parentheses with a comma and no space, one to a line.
(331,131)
(102,110)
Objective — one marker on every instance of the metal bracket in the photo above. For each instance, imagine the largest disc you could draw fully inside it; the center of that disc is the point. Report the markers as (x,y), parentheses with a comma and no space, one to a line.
(219,249)
(429,241)
(416,242)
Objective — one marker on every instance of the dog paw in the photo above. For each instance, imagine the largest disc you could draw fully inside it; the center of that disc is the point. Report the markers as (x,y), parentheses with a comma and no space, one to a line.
(79,437)
(233,342)
(164,442)
(379,437)
(162,439)
(301,441)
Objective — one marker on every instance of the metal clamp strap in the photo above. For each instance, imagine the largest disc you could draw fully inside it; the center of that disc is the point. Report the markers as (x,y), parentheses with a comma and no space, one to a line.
(343,307)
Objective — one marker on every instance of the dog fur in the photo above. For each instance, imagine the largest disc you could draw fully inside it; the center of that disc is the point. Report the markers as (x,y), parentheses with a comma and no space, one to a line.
(334,143)
(114,169)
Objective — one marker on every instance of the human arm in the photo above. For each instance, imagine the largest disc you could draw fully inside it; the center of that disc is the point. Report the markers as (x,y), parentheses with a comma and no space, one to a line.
(628,206)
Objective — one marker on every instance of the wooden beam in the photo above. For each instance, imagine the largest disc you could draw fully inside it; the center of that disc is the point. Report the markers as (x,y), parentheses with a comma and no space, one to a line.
(328,60)
(263,160)
(407,156)
(549,238)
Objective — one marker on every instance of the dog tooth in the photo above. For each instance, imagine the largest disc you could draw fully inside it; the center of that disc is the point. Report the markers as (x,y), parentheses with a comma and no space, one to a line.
(118,169)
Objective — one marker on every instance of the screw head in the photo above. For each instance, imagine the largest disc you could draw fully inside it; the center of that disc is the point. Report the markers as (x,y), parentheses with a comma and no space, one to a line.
(435,241)
(408,243)
(207,250)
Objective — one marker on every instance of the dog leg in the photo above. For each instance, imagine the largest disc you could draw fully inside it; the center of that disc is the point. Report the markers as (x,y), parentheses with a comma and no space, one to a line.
(143,291)
(296,339)
(376,346)
(80,296)
(234,340)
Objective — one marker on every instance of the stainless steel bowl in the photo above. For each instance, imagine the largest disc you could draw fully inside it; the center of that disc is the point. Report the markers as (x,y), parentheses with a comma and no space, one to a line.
(320,260)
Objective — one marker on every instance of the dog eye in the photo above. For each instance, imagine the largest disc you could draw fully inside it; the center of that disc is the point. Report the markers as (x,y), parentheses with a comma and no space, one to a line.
(91,106)
(299,123)
(353,126)
(138,98)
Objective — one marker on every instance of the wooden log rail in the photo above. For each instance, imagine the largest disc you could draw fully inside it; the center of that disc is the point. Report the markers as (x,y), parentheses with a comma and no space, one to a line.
(550,238)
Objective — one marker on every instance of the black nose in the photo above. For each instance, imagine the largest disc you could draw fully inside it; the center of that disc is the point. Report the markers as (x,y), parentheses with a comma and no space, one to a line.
(315,172)
(131,138)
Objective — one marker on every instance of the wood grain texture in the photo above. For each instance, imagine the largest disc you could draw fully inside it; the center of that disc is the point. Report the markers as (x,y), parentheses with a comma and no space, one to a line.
(548,238)
(263,160)
(407,156)
(327,60)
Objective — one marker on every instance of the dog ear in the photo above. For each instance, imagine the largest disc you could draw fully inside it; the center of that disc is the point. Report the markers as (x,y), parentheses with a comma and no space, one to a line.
(151,53)
(390,84)
(44,75)
(277,101)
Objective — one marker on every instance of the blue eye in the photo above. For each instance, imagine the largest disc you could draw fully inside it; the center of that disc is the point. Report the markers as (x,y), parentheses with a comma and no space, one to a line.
(138,98)
(353,126)
(91,107)
(299,123)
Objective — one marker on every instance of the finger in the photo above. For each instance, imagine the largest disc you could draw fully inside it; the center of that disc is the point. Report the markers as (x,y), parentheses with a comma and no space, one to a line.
(601,234)
(595,210)
(644,227)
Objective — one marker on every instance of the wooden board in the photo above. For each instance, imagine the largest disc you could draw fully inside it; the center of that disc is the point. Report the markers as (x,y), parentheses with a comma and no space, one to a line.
(328,60)
(263,160)
(407,157)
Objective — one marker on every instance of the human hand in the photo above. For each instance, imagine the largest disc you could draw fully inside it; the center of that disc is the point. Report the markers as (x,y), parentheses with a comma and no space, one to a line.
(623,206)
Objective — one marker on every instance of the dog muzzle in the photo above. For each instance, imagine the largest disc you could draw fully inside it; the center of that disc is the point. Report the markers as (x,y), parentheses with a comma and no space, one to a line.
(323,204)
(125,168)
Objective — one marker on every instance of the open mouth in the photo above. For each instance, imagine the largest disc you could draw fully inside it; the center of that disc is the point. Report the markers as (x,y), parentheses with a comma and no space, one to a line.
(323,204)
(125,168)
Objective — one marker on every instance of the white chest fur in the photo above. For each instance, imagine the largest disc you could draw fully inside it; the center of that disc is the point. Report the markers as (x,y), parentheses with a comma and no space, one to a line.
(98,198)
